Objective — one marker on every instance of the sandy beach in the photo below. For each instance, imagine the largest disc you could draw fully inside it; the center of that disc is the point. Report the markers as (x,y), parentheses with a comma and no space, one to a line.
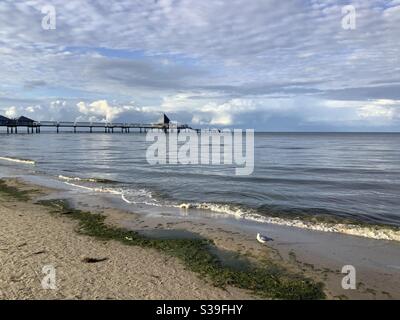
(30,238)
(89,268)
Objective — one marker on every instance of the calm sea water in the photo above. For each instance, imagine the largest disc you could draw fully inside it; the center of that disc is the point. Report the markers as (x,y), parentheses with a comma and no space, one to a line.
(341,175)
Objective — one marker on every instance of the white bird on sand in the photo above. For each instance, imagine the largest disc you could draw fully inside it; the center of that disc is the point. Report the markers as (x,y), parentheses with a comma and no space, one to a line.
(262,239)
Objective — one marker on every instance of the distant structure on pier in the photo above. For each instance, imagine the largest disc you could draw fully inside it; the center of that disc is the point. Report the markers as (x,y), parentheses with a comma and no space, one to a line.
(166,120)
(3,120)
(32,126)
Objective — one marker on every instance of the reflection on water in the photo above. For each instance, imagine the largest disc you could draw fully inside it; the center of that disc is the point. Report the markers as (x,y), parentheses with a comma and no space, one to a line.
(351,175)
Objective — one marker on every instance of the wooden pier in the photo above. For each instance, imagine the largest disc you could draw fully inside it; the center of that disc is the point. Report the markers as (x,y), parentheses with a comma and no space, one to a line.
(31,126)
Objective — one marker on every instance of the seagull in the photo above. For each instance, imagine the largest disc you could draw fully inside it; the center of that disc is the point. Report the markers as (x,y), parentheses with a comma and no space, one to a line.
(263,239)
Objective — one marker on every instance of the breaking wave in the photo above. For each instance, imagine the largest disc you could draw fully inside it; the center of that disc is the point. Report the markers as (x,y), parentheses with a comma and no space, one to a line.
(130,196)
(377,232)
(94,180)
(24,161)
(144,196)
(116,191)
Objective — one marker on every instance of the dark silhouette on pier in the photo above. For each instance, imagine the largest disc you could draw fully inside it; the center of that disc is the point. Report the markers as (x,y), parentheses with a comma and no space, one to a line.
(33,126)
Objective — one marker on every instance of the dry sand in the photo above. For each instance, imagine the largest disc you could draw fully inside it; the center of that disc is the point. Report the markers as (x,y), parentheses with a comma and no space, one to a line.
(30,238)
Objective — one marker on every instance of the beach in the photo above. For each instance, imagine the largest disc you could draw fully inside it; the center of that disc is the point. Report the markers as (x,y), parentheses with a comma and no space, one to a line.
(89,268)
(30,238)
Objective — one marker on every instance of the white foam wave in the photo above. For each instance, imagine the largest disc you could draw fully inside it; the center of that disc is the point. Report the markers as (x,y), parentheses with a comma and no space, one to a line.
(143,196)
(139,195)
(24,161)
(96,189)
(371,231)
(125,199)
(61,177)
(94,180)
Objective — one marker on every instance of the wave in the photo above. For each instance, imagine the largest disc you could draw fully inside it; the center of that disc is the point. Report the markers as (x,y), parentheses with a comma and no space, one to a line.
(377,232)
(96,189)
(24,161)
(125,199)
(94,180)
(143,196)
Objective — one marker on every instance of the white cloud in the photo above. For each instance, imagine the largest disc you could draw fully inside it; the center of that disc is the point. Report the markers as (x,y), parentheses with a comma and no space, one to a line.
(101,110)
(11,112)
(380,110)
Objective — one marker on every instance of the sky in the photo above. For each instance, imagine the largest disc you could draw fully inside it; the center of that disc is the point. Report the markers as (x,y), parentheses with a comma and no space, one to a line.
(292,65)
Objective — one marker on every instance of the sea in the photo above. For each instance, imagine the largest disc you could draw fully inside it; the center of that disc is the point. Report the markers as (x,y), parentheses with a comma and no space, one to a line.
(316,178)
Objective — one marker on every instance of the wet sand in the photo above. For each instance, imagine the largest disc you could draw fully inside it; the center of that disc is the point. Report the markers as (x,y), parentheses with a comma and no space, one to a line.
(318,255)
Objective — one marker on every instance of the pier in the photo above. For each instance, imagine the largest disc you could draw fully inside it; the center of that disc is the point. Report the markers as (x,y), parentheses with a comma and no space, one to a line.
(26,125)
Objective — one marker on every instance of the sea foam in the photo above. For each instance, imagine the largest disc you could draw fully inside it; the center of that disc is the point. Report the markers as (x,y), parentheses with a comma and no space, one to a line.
(366,231)
(94,180)
(24,161)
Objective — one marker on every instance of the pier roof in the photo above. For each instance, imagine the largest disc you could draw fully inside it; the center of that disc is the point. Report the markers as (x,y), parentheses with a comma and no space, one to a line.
(4,119)
(23,119)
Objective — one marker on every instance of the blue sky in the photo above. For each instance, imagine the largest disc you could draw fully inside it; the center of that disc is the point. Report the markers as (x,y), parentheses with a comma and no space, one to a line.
(262,64)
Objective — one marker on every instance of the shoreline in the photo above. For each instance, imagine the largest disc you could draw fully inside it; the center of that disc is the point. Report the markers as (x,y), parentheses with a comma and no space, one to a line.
(220,281)
(296,256)
(87,268)
(316,222)
(321,223)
